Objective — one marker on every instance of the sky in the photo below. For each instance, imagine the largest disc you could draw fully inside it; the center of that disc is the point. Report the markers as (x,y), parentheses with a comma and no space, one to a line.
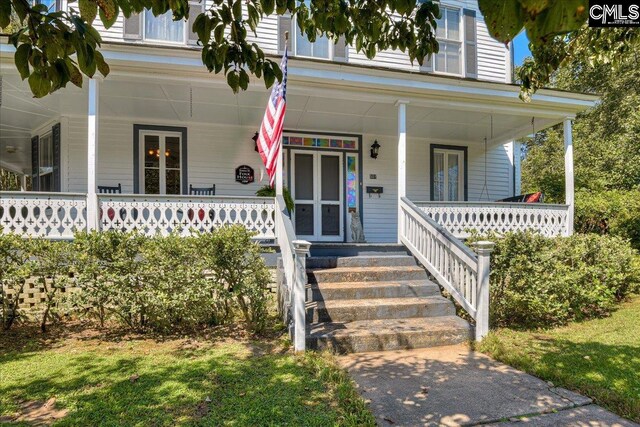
(521,48)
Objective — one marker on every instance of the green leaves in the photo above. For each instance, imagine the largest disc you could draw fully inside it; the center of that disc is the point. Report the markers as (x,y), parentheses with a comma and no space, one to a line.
(61,46)
(504,18)
(21,58)
(541,18)
(88,10)
(5,14)
(39,83)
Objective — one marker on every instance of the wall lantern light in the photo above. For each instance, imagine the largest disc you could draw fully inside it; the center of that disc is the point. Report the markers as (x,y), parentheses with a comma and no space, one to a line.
(255,142)
(375,148)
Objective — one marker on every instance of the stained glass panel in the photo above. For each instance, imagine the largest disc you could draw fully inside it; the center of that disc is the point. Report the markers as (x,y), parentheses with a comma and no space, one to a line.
(352,182)
(349,144)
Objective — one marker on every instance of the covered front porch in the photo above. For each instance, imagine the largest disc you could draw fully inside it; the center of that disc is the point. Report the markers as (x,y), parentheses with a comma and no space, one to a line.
(158,127)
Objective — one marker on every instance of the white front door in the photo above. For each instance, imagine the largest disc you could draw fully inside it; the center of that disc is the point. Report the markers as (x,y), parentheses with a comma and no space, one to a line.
(317,189)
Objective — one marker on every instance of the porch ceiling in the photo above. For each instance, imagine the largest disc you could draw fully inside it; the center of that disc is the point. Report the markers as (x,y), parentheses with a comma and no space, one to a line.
(311,106)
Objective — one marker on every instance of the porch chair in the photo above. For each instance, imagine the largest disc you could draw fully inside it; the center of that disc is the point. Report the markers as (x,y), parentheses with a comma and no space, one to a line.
(105,189)
(202,191)
(537,197)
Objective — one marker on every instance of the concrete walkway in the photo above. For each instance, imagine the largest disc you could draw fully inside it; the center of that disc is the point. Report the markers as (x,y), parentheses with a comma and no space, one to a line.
(454,386)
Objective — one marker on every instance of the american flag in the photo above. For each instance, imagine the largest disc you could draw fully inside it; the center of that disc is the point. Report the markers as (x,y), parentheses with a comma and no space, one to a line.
(270,135)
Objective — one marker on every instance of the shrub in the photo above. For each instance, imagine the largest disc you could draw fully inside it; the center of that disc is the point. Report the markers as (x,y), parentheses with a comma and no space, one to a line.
(109,270)
(174,289)
(53,266)
(540,282)
(610,212)
(235,262)
(15,269)
(158,283)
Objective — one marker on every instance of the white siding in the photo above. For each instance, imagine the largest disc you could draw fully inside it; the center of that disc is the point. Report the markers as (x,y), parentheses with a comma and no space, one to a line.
(493,57)
(215,151)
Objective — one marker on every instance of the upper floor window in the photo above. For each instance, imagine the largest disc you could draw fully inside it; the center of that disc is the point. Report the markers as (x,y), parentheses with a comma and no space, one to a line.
(323,47)
(318,49)
(163,28)
(448,60)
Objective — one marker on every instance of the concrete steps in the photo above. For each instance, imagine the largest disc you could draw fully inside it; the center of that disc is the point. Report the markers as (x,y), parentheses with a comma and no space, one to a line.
(379,308)
(386,335)
(363,290)
(377,300)
(365,274)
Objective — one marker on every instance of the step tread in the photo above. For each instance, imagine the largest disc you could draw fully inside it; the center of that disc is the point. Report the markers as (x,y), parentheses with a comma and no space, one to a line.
(365,269)
(387,326)
(392,256)
(375,302)
(380,284)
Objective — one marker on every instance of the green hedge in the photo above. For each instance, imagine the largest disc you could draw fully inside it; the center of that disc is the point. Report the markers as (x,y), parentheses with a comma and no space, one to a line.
(159,283)
(542,282)
(610,212)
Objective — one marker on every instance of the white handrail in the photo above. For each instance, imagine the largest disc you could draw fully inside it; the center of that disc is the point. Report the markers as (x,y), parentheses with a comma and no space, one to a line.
(459,218)
(457,268)
(293,253)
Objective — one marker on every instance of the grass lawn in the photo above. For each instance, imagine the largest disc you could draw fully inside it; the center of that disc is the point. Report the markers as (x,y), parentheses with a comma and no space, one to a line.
(97,379)
(599,358)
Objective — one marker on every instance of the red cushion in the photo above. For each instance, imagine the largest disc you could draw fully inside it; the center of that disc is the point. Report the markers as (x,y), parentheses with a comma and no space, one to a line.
(533,198)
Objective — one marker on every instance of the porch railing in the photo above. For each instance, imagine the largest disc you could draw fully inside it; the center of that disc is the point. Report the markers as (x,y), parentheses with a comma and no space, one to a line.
(460,217)
(60,215)
(463,273)
(49,215)
(293,253)
(152,215)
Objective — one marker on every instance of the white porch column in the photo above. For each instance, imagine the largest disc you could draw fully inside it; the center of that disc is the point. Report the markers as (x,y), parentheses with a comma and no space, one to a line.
(92,157)
(279,179)
(568,173)
(402,157)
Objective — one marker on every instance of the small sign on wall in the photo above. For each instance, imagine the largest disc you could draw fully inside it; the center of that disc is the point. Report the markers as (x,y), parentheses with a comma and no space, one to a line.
(245,174)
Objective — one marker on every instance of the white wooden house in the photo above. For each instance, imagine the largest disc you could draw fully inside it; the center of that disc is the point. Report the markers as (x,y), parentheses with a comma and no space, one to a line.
(160,124)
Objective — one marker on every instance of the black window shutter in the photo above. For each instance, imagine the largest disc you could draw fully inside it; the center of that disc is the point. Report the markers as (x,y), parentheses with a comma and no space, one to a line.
(55,136)
(470,43)
(35,163)
(284,25)
(195,9)
(133,27)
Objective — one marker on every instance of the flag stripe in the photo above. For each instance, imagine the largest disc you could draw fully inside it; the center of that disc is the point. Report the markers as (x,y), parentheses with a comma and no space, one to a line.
(270,135)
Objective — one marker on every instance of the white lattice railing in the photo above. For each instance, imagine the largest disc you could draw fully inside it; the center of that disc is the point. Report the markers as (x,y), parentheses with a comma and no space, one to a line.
(457,268)
(459,218)
(153,215)
(39,214)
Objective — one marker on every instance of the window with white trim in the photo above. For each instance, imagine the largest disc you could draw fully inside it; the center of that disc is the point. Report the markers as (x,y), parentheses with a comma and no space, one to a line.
(449,59)
(448,175)
(164,28)
(321,48)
